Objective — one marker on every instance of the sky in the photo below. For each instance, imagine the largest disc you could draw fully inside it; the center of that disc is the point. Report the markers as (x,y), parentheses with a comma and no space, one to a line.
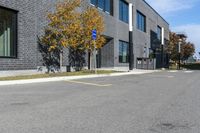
(183,16)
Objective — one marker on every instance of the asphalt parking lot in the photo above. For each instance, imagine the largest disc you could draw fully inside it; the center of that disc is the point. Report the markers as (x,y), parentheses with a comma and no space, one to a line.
(162,102)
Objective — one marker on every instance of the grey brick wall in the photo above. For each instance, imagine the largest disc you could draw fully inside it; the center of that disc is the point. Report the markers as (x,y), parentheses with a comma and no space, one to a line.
(27,47)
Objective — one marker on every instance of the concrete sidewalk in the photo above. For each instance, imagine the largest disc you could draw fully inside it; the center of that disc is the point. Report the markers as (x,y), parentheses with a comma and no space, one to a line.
(55,79)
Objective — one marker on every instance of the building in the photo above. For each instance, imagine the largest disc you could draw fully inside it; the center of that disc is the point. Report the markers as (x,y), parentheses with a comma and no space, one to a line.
(22,21)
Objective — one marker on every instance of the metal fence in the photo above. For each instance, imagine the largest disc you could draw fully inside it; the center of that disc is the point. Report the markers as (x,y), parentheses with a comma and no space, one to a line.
(146,63)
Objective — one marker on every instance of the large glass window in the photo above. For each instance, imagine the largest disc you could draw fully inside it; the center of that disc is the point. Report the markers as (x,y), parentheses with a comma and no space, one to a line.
(101,4)
(123,11)
(105,5)
(8,22)
(141,21)
(159,33)
(123,52)
(108,6)
(94,2)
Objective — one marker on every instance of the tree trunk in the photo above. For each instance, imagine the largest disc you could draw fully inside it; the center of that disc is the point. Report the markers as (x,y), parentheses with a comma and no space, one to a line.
(89,60)
(61,61)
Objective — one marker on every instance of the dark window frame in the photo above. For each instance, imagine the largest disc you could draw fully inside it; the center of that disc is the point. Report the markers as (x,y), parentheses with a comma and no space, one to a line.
(141,25)
(15,47)
(127,51)
(96,4)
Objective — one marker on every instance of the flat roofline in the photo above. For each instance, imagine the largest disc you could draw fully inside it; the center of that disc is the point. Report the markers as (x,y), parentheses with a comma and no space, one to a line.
(154,11)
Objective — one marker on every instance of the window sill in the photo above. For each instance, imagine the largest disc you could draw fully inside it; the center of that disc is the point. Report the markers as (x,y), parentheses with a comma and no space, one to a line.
(123,22)
(4,57)
(92,5)
(107,12)
(141,31)
(100,8)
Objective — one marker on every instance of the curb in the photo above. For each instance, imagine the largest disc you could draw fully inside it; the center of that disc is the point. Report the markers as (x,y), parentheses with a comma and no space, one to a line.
(56,79)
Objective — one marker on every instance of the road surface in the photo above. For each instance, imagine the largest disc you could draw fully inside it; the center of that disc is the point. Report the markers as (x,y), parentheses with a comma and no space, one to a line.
(162,102)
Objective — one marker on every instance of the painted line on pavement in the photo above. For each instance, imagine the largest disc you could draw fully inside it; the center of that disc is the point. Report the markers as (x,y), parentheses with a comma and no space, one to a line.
(170,76)
(87,83)
(188,71)
(161,76)
(173,71)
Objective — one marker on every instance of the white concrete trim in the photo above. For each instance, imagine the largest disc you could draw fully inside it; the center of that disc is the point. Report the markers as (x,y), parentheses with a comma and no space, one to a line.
(56,79)
(163,36)
(130,17)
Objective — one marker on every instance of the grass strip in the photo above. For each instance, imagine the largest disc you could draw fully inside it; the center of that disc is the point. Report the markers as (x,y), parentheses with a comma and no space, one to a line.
(37,76)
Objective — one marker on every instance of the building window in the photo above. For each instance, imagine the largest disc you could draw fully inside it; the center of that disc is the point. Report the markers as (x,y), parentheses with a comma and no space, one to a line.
(123,11)
(159,33)
(93,2)
(101,4)
(141,21)
(8,32)
(105,5)
(108,6)
(123,52)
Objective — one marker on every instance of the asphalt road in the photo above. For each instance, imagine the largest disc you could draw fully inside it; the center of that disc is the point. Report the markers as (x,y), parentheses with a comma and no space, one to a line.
(163,102)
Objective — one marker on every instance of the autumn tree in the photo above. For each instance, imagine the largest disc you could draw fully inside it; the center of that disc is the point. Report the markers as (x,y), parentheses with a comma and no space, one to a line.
(187,48)
(72,29)
(64,27)
(92,20)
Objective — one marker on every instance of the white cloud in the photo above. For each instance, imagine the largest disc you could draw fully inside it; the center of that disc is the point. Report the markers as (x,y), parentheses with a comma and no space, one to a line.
(168,6)
(193,33)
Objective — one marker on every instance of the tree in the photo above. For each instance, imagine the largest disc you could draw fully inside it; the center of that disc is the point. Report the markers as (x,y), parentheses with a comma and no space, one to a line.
(72,29)
(187,48)
(77,58)
(50,58)
(64,27)
(91,19)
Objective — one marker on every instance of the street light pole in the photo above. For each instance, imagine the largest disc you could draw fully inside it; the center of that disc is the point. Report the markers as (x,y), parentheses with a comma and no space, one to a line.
(182,38)
(162,46)
(131,58)
(179,54)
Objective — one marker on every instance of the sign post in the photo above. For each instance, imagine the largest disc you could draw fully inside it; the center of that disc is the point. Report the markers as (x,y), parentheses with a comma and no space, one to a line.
(94,37)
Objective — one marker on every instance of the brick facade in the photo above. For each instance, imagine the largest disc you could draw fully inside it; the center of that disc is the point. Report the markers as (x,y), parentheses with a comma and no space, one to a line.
(31,22)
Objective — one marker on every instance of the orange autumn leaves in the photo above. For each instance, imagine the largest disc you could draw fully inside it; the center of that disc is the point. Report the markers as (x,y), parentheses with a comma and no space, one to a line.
(92,20)
(70,27)
(187,48)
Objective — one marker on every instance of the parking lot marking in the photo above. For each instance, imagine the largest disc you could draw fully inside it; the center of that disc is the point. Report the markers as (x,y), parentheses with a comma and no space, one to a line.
(188,71)
(87,83)
(173,71)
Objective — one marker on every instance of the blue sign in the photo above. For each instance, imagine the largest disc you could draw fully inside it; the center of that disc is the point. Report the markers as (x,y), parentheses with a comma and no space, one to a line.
(94,34)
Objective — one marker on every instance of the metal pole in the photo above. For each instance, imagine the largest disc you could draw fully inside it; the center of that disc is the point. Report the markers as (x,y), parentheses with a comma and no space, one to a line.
(162,56)
(95,60)
(131,58)
(179,55)
(130,50)
(162,46)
